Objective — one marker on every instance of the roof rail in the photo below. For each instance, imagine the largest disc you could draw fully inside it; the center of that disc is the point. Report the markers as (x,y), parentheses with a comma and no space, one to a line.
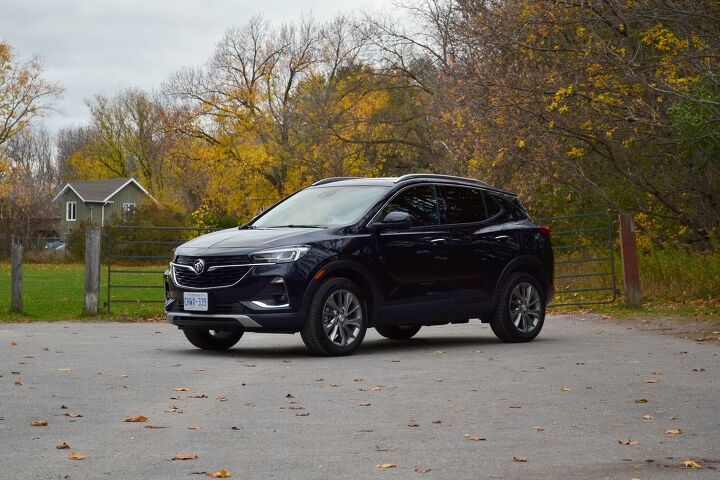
(333,179)
(436,176)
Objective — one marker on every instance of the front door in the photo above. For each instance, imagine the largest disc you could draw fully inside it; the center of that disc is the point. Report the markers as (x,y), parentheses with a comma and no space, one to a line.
(415,260)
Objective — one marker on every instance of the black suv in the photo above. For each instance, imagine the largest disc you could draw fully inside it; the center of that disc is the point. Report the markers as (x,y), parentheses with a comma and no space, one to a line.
(346,254)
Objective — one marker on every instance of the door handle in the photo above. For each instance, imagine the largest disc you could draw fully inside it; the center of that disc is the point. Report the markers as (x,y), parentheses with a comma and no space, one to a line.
(438,241)
(503,238)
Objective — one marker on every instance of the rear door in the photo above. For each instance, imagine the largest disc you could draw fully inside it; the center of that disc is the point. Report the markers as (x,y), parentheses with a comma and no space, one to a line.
(415,259)
(481,244)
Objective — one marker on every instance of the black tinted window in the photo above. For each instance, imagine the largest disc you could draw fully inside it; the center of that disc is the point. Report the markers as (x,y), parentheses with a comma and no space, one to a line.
(463,205)
(492,205)
(418,202)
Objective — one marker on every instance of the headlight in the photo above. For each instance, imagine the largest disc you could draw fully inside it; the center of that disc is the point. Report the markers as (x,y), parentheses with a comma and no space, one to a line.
(279,255)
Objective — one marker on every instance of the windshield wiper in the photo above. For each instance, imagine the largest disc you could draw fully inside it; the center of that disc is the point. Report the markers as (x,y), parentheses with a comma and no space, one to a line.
(295,226)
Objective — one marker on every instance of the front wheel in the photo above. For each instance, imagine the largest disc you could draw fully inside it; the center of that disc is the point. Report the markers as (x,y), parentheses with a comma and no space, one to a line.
(212,339)
(403,332)
(337,319)
(520,311)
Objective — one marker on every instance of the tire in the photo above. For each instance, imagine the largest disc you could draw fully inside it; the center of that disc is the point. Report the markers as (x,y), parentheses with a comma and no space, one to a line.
(525,324)
(211,339)
(325,322)
(403,332)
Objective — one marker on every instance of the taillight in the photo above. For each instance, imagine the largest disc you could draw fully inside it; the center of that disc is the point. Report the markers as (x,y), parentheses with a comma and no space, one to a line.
(545,230)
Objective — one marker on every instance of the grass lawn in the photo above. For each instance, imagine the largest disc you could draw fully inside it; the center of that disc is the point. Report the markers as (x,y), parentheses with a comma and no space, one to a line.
(55,292)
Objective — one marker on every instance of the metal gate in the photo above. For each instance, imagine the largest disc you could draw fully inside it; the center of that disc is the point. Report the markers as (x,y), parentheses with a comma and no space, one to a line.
(136,258)
(584,259)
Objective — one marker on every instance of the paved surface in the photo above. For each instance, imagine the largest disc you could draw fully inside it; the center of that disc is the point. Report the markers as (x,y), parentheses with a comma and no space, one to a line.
(563,402)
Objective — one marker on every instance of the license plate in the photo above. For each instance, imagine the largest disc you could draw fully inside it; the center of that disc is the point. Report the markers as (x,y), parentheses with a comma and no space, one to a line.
(196,301)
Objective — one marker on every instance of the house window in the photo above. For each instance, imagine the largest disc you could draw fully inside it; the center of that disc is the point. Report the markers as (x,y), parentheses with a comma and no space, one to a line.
(71,211)
(128,208)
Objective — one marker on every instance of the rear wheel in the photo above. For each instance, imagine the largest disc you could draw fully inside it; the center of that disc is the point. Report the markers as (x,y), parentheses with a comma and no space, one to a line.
(520,312)
(402,332)
(212,339)
(337,319)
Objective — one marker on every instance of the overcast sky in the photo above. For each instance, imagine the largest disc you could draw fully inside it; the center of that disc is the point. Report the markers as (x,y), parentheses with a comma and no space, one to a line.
(101,46)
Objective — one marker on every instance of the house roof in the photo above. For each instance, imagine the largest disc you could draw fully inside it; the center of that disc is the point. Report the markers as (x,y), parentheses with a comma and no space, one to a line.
(99,191)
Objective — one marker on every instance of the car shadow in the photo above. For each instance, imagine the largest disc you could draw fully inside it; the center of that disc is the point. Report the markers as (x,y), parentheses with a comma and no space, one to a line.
(369,347)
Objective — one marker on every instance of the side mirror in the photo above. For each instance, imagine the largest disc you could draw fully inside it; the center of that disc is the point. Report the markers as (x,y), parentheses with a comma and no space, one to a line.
(395,220)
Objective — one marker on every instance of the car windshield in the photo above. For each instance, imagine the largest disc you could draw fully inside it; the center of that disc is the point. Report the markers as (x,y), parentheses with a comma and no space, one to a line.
(323,207)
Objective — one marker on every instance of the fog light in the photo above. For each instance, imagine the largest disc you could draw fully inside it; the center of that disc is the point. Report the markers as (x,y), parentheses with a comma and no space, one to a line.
(274,295)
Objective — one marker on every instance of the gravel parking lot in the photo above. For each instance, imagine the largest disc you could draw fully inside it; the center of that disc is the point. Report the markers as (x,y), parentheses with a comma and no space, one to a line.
(587,399)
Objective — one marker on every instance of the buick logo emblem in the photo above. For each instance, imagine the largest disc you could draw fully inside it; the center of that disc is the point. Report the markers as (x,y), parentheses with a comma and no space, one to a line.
(199,266)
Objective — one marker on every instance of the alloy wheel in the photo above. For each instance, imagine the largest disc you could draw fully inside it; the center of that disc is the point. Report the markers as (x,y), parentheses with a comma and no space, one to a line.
(525,307)
(342,317)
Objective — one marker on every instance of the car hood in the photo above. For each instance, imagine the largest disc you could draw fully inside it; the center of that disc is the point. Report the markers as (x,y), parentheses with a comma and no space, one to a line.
(234,238)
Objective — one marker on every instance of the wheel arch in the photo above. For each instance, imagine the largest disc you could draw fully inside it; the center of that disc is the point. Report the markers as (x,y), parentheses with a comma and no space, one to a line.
(530,265)
(356,273)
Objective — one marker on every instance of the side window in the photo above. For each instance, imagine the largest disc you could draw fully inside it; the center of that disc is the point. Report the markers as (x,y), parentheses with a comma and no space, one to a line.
(417,201)
(70,211)
(492,205)
(463,205)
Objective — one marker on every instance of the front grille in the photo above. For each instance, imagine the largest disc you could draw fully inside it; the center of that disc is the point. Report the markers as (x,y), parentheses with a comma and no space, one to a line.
(214,260)
(222,277)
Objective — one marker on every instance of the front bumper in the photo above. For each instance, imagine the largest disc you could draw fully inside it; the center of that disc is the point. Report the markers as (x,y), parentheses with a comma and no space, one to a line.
(275,322)
(235,307)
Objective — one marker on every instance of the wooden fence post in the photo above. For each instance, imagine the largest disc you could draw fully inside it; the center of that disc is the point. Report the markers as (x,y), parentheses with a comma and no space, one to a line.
(92,270)
(631,270)
(16,296)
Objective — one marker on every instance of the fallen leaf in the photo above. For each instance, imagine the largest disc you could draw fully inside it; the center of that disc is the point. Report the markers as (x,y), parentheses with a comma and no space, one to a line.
(376,388)
(628,442)
(193,427)
(475,438)
(64,369)
(413,424)
(334,385)
(182,389)
(387,465)
(647,417)
(139,418)
(235,427)
(173,409)
(641,400)
(438,352)
(565,389)
(652,380)
(154,426)
(673,431)
(221,398)
(521,459)
(199,369)
(18,383)
(698,369)
(539,429)
(73,415)
(289,395)
(437,421)
(691,464)
(14,344)
(76,456)
(219,474)
(39,423)
(383,449)
(62,446)
(422,469)
(359,380)
(184,456)
(302,414)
